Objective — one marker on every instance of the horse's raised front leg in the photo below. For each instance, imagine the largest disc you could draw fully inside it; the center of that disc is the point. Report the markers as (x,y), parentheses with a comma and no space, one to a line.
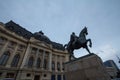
(87,49)
(90,42)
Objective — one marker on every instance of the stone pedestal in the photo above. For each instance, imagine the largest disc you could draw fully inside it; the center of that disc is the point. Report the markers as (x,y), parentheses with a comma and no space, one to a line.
(88,67)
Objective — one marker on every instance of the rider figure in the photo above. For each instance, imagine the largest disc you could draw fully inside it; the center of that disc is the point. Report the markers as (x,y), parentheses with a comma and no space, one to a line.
(73,38)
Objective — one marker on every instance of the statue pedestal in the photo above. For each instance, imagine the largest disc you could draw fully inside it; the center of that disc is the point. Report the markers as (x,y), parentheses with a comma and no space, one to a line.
(88,67)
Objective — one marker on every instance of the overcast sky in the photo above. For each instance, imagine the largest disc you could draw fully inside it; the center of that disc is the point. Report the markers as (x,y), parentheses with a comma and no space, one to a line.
(59,18)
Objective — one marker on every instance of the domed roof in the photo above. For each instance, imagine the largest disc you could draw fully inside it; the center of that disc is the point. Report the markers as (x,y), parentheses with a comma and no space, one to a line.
(19,30)
(40,35)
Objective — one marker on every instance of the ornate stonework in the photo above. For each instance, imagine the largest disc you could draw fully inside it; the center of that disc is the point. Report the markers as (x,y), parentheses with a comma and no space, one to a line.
(28,56)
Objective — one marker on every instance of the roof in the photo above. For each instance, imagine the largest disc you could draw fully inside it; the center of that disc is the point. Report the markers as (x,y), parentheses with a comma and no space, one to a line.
(12,26)
(16,28)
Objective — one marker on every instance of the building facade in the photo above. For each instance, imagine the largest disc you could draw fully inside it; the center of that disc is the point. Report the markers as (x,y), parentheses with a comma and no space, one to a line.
(28,56)
(111,68)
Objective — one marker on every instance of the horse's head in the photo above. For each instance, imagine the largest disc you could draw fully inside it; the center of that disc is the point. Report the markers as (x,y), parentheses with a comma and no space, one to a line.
(85,31)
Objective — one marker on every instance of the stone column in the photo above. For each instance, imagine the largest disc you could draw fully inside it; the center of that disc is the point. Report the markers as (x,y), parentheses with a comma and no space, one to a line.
(12,56)
(56,63)
(4,47)
(50,61)
(25,56)
(56,76)
(61,76)
(43,57)
(36,57)
(61,64)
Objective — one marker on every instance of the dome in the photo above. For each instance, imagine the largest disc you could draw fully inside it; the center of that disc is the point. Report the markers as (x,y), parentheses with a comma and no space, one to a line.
(40,36)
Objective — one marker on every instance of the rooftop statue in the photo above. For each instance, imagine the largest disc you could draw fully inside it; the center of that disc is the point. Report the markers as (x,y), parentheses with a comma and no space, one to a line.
(77,42)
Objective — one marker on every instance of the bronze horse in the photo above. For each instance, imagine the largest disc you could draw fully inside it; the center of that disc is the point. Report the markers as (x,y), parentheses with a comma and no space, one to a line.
(81,42)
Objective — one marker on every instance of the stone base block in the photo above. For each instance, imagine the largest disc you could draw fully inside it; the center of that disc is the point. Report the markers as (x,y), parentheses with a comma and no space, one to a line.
(88,67)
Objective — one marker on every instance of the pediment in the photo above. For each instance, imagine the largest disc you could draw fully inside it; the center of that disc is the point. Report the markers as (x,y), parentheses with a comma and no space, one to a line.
(39,43)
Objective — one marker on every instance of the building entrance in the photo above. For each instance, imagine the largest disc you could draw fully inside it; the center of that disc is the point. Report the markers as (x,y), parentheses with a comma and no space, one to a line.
(37,77)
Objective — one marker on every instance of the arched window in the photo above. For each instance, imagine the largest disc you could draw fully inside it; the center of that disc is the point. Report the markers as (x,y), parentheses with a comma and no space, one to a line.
(4,58)
(15,60)
(38,63)
(45,64)
(30,62)
(53,65)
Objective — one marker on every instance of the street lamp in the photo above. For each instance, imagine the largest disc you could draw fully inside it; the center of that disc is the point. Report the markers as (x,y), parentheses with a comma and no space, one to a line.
(118,59)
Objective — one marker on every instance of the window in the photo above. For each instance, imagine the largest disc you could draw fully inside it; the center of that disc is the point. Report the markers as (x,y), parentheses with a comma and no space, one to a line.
(52,77)
(58,77)
(12,44)
(38,63)
(0,73)
(28,75)
(30,62)
(58,66)
(15,60)
(36,77)
(34,50)
(2,40)
(62,66)
(10,75)
(21,46)
(53,65)
(45,75)
(4,58)
(45,64)
(107,64)
(40,51)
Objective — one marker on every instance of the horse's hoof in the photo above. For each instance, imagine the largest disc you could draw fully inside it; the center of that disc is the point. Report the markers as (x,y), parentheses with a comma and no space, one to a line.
(90,45)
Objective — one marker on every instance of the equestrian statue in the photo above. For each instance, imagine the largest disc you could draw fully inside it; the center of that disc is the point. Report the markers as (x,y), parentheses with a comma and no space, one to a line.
(77,42)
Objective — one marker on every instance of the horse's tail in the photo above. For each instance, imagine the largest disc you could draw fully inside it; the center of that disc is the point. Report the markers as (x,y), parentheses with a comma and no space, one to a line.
(65,46)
